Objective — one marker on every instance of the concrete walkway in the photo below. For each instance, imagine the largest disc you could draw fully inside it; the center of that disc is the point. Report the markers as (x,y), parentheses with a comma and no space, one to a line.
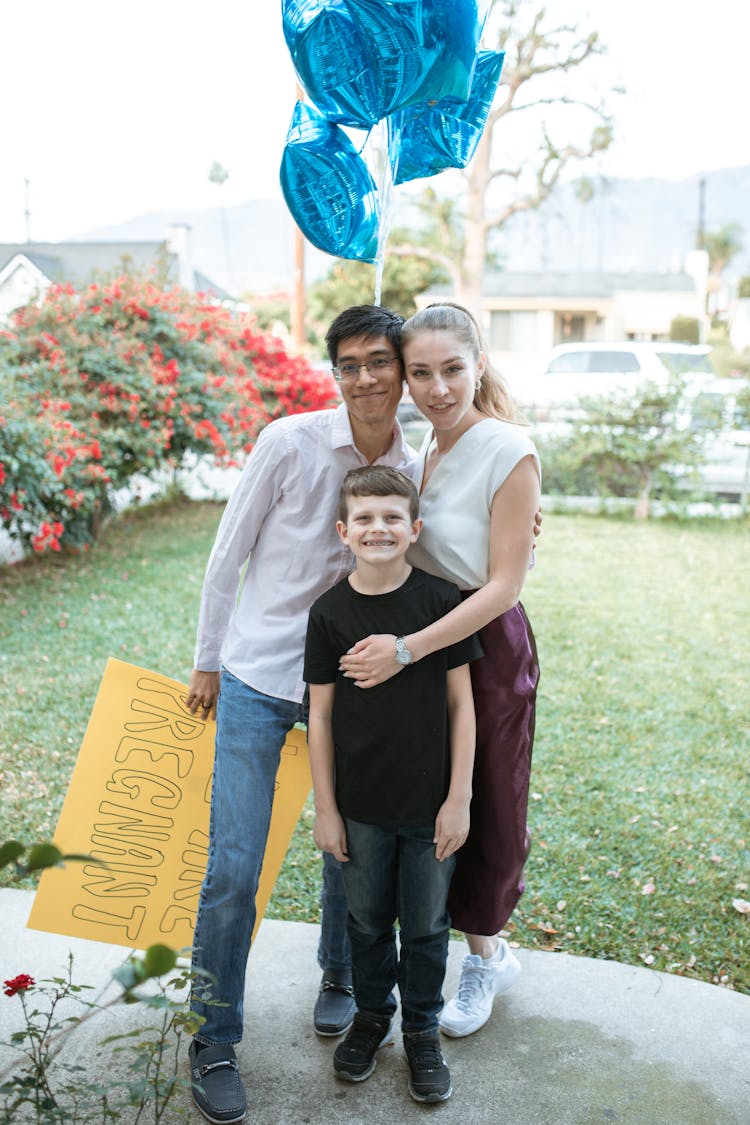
(576,1042)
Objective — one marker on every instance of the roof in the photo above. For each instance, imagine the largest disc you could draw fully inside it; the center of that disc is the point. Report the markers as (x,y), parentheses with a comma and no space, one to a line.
(78,262)
(204,284)
(45,263)
(510,283)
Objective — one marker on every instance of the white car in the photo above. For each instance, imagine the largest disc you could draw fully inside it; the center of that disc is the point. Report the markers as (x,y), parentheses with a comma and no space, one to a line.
(577,371)
(590,370)
(726,466)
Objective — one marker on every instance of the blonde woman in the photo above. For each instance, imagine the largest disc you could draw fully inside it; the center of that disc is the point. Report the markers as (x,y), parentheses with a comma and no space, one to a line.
(479,481)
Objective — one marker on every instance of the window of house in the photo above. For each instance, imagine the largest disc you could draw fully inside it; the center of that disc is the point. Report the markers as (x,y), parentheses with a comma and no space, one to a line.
(514,330)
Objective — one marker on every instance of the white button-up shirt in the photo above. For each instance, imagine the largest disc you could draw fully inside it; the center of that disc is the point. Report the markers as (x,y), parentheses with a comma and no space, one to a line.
(281,520)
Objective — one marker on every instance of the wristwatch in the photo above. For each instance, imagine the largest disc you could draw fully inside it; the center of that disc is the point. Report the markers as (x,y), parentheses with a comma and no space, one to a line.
(402,653)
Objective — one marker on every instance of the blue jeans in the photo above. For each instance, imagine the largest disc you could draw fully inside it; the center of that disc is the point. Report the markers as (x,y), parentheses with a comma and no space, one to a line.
(250,732)
(393,873)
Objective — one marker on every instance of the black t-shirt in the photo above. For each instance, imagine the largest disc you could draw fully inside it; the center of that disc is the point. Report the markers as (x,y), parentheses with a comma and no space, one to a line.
(391,741)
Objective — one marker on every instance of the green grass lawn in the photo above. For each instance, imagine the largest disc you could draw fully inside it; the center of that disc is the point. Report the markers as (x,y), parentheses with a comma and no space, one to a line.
(640,793)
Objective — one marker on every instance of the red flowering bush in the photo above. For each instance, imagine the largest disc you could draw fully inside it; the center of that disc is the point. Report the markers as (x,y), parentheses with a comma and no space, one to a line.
(124,378)
(18,984)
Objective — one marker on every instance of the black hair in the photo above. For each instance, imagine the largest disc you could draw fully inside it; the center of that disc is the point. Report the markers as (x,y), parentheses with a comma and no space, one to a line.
(364,320)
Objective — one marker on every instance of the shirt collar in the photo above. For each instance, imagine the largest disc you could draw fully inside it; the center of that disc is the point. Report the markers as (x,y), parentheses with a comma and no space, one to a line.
(341,434)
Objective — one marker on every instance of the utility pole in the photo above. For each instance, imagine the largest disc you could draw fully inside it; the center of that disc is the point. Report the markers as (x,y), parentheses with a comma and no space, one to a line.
(27,208)
(700,234)
(297,310)
(218,175)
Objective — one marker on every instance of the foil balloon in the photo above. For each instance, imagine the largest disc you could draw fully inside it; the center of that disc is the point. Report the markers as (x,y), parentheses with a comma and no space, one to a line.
(360,60)
(451,30)
(328,188)
(427,139)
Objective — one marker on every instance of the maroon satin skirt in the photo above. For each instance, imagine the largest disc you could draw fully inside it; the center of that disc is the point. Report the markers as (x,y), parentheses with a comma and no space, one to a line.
(488,880)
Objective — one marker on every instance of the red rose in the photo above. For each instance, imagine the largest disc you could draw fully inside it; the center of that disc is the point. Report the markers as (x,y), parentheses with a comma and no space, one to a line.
(18,984)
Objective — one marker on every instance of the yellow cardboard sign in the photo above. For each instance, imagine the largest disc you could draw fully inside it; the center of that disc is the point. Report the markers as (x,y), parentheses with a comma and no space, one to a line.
(139,800)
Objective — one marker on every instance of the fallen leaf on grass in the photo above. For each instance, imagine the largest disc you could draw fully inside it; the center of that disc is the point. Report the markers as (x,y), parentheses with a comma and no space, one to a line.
(741,905)
(648,889)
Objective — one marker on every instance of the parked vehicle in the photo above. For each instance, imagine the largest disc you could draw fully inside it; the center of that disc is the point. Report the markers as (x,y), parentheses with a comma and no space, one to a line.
(582,370)
(414,424)
(591,370)
(726,468)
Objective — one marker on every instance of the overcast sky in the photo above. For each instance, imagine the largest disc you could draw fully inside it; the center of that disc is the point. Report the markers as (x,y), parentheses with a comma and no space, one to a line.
(111,110)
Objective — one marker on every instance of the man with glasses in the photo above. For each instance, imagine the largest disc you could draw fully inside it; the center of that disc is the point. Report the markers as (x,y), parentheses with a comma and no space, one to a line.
(280,521)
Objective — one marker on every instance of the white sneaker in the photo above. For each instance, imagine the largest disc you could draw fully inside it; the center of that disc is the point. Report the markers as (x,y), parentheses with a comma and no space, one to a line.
(481,981)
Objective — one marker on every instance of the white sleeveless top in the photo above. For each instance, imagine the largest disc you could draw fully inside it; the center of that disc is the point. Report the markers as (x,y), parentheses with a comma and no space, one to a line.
(457,499)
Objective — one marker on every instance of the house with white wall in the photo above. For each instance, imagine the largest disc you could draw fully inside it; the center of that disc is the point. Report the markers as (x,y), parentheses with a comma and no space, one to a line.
(27,269)
(525,314)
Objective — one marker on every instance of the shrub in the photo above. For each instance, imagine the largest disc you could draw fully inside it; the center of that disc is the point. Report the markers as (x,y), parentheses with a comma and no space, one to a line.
(124,378)
(631,443)
(685,330)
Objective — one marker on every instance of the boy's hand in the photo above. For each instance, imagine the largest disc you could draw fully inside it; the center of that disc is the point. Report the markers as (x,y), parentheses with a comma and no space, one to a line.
(451,828)
(329,835)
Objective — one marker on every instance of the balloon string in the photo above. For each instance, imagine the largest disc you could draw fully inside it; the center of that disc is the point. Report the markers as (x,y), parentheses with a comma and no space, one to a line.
(364,142)
(384,182)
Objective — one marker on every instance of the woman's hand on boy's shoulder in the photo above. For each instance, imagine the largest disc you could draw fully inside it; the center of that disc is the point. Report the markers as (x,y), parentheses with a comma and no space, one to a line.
(451,827)
(329,834)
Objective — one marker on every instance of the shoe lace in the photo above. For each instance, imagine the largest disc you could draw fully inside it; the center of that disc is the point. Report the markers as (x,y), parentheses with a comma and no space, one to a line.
(475,982)
(362,1035)
(426,1054)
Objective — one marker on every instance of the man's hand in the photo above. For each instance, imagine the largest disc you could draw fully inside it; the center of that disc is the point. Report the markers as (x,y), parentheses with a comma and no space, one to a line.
(371,661)
(203,691)
(329,835)
(451,828)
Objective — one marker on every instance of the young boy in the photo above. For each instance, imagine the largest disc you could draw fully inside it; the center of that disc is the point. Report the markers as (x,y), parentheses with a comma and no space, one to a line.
(391,771)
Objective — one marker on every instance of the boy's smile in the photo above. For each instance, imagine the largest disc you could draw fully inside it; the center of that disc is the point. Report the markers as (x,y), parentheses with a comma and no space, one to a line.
(378,529)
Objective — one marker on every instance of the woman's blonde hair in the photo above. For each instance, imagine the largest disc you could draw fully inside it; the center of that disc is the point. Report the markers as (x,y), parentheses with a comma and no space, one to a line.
(493,397)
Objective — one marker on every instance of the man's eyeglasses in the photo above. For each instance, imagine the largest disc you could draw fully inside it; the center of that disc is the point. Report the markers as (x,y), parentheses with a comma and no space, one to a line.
(343,372)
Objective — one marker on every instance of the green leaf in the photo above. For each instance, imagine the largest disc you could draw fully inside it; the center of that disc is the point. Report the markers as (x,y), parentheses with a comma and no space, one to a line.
(43,855)
(159,959)
(10,851)
(127,976)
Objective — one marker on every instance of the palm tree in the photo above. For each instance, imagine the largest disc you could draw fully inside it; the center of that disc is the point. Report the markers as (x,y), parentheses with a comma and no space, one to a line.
(722,245)
(217,174)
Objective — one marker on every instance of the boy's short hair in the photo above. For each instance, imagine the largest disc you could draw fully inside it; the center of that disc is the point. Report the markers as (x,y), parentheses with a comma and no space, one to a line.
(377,480)
(364,320)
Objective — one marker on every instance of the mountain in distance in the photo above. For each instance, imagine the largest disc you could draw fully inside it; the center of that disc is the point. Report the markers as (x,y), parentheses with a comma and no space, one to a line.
(248,247)
(639,225)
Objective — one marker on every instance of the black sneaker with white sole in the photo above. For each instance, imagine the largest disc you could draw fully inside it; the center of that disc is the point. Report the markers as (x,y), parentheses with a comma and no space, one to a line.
(354,1058)
(429,1077)
(216,1084)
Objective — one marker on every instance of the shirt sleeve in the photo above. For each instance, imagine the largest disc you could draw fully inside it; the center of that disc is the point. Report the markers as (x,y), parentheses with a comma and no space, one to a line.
(259,488)
(321,659)
(508,448)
